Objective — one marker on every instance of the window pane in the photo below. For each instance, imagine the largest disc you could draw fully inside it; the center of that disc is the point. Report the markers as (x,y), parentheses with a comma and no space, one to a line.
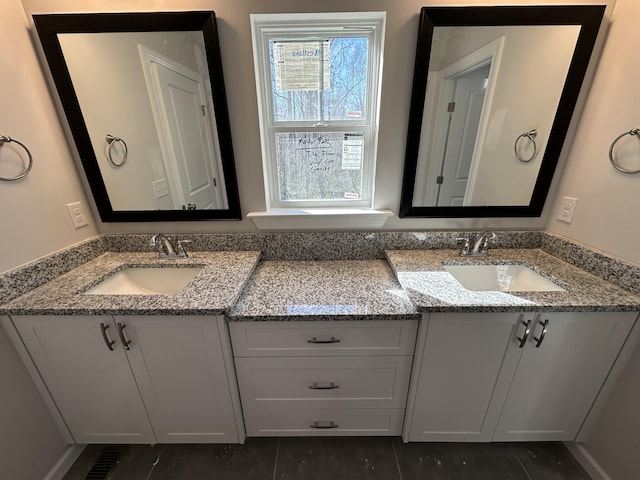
(319,80)
(320,166)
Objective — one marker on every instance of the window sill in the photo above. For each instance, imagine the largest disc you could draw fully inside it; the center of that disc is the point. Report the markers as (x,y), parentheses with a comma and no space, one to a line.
(320,219)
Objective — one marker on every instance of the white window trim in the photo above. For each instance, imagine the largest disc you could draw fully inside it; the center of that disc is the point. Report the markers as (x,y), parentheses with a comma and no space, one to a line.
(321,219)
(264,27)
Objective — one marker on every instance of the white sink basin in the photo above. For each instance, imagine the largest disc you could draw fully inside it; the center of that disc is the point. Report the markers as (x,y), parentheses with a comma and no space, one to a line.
(501,278)
(146,281)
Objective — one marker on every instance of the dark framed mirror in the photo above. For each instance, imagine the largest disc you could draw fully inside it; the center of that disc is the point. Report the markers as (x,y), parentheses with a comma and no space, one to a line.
(144,97)
(494,90)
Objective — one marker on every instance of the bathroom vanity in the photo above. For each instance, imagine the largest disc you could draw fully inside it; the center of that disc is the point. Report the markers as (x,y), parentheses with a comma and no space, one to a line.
(383,346)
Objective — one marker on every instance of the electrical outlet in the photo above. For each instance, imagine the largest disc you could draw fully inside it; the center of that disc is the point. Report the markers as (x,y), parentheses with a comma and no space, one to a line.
(567,209)
(76,213)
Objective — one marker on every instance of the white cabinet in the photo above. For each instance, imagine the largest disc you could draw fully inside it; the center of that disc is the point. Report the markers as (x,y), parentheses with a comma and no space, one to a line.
(456,376)
(323,378)
(119,380)
(497,376)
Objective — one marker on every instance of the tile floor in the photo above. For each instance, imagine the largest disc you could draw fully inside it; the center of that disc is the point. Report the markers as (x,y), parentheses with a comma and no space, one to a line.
(338,458)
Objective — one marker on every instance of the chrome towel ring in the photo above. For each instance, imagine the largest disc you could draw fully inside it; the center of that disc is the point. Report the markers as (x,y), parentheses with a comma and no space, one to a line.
(5,139)
(531,135)
(633,132)
(112,141)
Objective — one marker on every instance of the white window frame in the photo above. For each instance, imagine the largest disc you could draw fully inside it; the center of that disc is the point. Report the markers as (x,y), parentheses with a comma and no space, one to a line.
(267,27)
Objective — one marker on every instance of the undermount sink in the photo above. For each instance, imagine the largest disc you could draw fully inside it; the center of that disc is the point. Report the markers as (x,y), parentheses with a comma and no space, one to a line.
(146,281)
(501,278)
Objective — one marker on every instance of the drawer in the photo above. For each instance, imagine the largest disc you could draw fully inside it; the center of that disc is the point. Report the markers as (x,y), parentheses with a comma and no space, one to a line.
(275,422)
(342,382)
(321,338)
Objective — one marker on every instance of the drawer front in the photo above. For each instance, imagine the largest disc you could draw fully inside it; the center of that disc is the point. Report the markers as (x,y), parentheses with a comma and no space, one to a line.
(339,338)
(275,422)
(343,382)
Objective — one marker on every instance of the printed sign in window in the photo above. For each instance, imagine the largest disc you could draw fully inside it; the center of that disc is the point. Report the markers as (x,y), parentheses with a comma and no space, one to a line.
(302,65)
(352,151)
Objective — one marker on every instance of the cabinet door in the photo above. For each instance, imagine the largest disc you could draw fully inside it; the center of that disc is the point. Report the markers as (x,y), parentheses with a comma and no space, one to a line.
(458,394)
(556,383)
(179,364)
(92,386)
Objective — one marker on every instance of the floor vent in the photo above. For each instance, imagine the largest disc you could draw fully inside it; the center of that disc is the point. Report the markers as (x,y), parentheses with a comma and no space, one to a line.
(106,461)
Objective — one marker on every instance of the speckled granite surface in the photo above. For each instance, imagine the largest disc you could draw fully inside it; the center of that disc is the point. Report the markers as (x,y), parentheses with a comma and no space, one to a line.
(616,271)
(321,245)
(323,290)
(432,289)
(211,292)
(27,277)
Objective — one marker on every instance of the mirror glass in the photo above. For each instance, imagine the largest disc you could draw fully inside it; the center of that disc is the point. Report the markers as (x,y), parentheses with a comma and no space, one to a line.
(144,97)
(494,90)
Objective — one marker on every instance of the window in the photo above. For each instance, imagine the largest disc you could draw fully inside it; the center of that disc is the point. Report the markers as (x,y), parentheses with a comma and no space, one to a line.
(318,80)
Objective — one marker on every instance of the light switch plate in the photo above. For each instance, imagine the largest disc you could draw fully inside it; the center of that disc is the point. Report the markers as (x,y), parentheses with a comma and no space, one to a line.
(567,209)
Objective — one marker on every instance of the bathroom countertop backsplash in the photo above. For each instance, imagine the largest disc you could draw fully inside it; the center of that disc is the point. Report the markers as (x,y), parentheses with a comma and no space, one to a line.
(330,275)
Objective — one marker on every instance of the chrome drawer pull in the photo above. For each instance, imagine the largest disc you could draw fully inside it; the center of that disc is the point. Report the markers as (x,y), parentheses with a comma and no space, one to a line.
(109,343)
(539,340)
(323,425)
(331,386)
(331,340)
(527,331)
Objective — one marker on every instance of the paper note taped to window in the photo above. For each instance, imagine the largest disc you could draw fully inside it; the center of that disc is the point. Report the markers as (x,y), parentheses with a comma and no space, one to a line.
(352,151)
(302,65)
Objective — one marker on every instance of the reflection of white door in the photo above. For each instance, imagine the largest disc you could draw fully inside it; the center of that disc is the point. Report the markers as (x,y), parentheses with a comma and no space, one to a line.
(467,101)
(181,110)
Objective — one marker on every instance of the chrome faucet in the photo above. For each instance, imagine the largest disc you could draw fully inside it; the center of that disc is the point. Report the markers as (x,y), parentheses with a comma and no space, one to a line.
(166,248)
(477,246)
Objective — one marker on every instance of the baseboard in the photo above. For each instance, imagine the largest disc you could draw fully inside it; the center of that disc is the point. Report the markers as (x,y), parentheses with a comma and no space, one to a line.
(63,464)
(587,462)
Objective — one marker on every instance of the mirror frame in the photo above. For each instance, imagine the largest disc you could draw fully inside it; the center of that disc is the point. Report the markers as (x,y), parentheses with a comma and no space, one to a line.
(49,26)
(588,17)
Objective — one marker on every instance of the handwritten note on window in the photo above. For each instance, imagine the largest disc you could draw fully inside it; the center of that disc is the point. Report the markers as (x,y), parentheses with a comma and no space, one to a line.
(319,166)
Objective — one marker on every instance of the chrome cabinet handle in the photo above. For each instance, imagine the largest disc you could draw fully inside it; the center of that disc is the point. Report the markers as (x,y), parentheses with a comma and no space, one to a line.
(527,331)
(323,425)
(331,386)
(110,343)
(539,339)
(331,340)
(123,338)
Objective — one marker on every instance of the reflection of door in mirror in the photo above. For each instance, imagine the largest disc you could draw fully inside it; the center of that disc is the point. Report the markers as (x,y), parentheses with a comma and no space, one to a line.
(181,114)
(172,160)
(465,110)
(466,157)
(461,93)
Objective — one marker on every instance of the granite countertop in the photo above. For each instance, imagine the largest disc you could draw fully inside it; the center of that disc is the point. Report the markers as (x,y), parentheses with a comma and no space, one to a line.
(432,289)
(211,292)
(323,290)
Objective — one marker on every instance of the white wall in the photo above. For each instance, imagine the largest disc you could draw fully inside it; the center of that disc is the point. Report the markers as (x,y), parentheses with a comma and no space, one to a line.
(607,216)
(34,223)
(235,38)
(32,211)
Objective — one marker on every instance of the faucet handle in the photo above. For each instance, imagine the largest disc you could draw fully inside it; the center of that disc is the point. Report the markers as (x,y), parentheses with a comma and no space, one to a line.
(180,247)
(154,240)
(465,246)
